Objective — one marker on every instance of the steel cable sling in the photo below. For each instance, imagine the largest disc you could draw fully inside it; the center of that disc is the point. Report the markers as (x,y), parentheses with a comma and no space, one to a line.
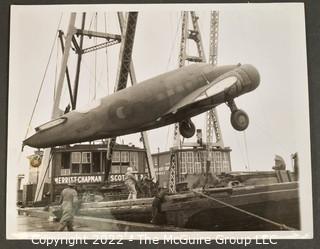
(281,226)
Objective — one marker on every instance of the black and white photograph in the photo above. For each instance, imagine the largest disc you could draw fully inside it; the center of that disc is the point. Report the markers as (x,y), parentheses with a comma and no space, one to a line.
(172,119)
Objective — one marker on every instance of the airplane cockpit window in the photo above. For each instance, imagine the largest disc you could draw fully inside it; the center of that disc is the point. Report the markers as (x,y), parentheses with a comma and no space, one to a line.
(218,87)
(51,124)
(94,104)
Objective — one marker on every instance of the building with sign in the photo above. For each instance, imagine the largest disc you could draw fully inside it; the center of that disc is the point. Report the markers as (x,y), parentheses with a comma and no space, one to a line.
(191,163)
(84,165)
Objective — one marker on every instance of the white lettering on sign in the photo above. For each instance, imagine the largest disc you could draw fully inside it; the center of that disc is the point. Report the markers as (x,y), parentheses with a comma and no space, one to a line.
(120,177)
(77,179)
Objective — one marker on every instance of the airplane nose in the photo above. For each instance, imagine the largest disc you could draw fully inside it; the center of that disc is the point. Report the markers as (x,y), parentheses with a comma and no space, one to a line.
(253,75)
(32,141)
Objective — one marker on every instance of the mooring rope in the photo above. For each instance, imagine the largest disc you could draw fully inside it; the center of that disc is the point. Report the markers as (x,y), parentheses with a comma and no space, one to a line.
(281,226)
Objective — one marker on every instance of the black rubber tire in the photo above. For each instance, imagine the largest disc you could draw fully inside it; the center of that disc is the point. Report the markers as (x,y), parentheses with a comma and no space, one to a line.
(239,120)
(187,128)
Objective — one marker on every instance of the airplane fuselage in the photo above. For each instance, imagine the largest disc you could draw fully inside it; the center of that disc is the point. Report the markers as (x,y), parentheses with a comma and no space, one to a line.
(144,106)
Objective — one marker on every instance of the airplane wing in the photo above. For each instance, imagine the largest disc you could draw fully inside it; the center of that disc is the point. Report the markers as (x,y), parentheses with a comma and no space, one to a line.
(205,95)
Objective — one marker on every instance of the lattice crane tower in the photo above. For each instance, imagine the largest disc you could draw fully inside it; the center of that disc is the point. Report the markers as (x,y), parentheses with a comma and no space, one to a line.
(212,121)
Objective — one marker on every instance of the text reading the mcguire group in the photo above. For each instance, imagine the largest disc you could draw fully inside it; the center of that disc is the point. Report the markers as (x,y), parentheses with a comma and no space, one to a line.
(144,239)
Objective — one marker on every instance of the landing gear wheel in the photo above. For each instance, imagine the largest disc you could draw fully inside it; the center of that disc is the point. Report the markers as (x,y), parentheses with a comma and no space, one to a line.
(187,128)
(239,120)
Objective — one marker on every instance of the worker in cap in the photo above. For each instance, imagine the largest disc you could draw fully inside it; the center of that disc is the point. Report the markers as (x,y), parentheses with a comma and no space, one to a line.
(279,163)
(68,201)
(130,182)
(158,217)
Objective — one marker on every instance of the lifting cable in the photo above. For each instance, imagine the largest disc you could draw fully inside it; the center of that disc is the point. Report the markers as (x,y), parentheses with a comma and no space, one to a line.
(169,60)
(240,148)
(56,74)
(90,59)
(281,226)
(246,149)
(89,28)
(264,131)
(43,78)
(98,76)
(95,58)
(107,60)
(174,42)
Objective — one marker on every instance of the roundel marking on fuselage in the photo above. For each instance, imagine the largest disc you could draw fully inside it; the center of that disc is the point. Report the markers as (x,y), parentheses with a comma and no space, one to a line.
(120,112)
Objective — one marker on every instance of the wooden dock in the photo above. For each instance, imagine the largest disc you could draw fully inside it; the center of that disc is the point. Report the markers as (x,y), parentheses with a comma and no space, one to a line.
(99,224)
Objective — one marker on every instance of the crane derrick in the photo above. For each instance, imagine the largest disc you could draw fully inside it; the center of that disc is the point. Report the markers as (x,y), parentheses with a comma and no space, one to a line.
(126,67)
(186,35)
(212,121)
(43,174)
(128,34)
(69,43)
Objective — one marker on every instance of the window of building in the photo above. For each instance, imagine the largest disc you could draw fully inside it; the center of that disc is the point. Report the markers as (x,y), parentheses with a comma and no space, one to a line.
(189,156)
(75,162)
(115,169)
(124,156)
(96,162)
(116,156)
(123,169)
(190,168)
(76,157)
(86,169)
(86,157)
(197,157)
(65,164)
(203,161)
(226,162)
(65,160)
(134,159)
(86,163)
(183,162)
(198,161)
(190,164)
(75,169)
(197,167)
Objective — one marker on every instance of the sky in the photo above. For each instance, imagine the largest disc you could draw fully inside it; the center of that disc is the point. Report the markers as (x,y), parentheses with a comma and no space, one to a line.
(269,36)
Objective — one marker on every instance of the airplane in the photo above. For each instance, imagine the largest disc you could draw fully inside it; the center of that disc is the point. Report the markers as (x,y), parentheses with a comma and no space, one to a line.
(172,97)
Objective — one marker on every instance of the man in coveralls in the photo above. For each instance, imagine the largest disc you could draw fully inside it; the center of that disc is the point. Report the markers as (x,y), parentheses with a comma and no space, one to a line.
(68,202)
(130,182)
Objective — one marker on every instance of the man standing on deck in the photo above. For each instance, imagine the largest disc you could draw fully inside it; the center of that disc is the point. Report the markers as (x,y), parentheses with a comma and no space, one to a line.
(158,217)
(68,202)
(130,182)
